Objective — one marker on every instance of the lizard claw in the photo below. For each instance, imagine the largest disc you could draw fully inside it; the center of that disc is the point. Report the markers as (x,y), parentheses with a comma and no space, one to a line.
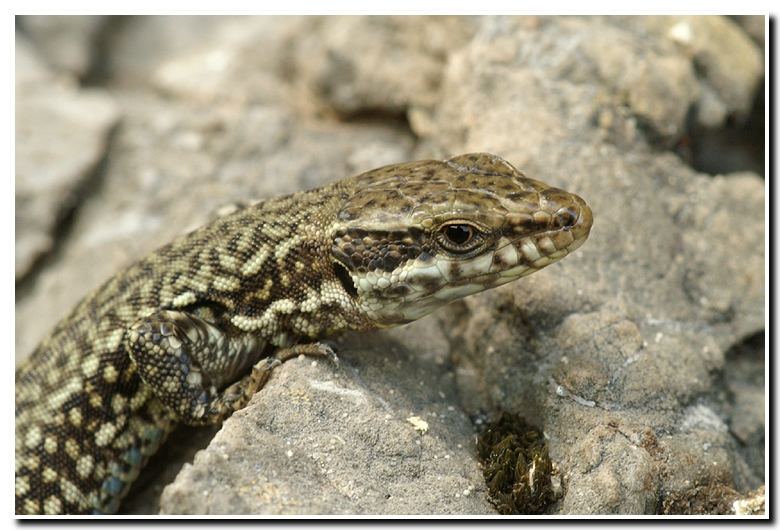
(326,350)
(272,363)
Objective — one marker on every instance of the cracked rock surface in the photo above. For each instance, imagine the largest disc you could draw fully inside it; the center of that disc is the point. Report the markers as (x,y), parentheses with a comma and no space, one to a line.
(62,135)
(640,356)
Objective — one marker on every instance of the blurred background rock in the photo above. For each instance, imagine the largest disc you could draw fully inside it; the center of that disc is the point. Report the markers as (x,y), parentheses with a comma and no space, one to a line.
(640,357)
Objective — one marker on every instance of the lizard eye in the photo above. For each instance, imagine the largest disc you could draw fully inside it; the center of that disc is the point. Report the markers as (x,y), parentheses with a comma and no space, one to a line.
(459,237)
(459,234)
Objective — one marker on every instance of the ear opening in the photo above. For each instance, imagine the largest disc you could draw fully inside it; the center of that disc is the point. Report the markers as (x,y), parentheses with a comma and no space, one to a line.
(346,280)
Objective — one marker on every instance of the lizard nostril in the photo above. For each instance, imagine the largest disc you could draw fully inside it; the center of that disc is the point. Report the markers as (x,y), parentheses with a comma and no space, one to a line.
(565,217)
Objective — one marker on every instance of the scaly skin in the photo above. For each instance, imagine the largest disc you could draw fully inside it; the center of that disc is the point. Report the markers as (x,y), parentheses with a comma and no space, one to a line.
(190,332)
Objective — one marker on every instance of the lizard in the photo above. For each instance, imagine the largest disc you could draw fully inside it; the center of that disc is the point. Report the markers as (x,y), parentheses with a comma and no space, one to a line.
(189,333)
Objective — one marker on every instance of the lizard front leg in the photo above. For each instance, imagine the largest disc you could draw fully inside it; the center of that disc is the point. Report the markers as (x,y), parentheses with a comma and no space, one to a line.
(191,364)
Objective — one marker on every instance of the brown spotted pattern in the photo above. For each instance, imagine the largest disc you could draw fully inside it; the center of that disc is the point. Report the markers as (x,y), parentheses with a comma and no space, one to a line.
(361,253)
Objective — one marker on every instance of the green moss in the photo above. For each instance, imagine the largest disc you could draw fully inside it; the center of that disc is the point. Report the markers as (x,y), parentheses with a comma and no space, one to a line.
(516,466)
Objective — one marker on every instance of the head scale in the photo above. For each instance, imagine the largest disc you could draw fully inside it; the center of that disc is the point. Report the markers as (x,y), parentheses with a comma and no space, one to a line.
(412,237)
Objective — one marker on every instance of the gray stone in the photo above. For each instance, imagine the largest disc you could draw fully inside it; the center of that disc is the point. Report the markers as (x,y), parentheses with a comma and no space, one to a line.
(725,57)
(385,64)
(239,60)
(363,450)
(67,43)
(61,136)
(623,353)
(142,44)
(628,332)
(753,26)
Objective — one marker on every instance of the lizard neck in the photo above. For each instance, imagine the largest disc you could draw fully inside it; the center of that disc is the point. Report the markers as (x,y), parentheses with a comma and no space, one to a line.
(265,270)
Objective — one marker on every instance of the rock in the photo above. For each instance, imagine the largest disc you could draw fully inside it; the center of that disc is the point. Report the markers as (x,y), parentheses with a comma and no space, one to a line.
(626,333)
(753,26)
(639,357)
(754,503)
(62,135)
(142,44)
(745,403)
(360,451)
(385,64)
(243,62)
(725,58)
(67,43)
(29,69)
(645,66)
(612,472)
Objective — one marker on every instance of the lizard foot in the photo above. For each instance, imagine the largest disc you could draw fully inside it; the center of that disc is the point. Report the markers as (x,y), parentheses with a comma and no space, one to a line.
(185,362)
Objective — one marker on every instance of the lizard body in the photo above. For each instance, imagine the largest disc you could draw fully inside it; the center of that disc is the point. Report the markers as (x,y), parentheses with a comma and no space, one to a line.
(189,333)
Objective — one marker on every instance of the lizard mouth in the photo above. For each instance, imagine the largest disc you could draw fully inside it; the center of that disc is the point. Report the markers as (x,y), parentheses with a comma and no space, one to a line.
(537,250)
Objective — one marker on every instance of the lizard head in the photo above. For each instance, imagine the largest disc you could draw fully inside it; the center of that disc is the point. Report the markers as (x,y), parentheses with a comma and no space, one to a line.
(413,237)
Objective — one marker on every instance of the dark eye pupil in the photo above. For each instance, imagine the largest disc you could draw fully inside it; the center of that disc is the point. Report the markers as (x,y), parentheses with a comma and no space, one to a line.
(458,234)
